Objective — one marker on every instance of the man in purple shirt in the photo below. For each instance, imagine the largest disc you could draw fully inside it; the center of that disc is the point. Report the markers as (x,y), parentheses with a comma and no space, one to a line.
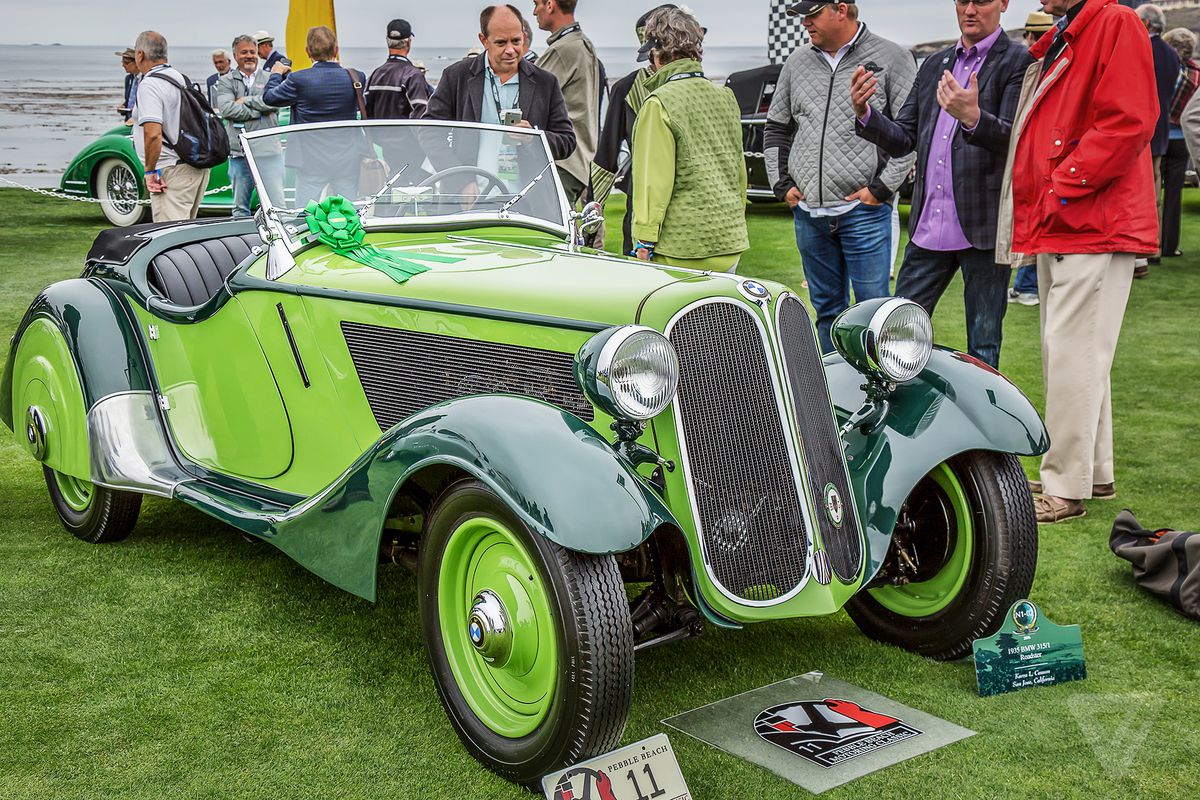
(958,118)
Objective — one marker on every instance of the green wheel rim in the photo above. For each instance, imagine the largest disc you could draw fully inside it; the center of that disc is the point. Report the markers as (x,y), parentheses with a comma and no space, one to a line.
(76,492)
(511,699)
(929,597)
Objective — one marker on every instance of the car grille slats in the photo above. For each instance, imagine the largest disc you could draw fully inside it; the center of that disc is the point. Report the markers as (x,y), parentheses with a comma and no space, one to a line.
(749,513)
(404,371)
(822,447)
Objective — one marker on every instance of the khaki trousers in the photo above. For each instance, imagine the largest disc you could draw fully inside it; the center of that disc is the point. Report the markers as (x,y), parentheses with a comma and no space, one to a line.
(185,190)
(1083,301)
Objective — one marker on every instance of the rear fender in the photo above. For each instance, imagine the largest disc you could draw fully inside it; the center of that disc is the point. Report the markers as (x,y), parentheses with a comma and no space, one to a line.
(74,347)
(553,470)
(957,404)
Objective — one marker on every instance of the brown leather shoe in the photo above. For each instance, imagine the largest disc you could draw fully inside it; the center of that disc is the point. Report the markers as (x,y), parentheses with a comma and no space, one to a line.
(1100,491)
(1050,511)
(1141,271)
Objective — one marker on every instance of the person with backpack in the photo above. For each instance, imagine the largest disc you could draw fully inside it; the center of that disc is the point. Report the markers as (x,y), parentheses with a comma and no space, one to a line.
(176,187)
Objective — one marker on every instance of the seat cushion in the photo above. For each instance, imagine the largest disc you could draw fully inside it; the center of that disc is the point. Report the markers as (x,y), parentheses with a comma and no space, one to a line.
(192,274)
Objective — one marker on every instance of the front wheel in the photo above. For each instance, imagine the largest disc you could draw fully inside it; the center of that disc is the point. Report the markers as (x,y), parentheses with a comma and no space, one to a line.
(530,644)
(964,550)
(118,188)
(95,514)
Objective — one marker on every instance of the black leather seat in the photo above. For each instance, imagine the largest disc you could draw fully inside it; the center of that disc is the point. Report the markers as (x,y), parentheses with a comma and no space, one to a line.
(192,274)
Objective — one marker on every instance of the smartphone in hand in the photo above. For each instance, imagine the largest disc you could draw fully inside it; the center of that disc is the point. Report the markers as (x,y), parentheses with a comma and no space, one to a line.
(510,116)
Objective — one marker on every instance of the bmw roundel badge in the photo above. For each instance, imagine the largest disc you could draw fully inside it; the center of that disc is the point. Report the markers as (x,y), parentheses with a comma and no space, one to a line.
(755,291)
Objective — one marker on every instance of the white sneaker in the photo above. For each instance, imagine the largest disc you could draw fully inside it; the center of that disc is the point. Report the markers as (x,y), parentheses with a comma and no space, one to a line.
(1024,298)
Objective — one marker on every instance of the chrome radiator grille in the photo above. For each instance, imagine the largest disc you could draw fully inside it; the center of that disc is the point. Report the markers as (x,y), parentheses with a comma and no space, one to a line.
(751,523)
(404,371)
(819,439)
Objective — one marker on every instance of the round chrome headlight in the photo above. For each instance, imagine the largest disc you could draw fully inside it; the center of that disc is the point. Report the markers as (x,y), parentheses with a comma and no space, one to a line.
(890,338)
(900,339)
(630,372)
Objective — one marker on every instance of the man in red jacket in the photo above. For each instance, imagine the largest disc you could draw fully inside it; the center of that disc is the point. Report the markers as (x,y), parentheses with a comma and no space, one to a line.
(1083,199)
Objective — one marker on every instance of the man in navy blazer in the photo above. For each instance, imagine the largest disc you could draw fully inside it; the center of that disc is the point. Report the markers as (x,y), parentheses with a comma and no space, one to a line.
(325,92)
(460,94)
(959,119)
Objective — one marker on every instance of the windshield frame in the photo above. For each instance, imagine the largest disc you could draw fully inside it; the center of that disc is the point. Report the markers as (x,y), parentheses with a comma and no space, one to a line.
(296,236)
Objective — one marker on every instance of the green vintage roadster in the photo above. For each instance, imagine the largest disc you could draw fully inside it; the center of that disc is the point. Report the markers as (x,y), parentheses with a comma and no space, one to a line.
(407,359)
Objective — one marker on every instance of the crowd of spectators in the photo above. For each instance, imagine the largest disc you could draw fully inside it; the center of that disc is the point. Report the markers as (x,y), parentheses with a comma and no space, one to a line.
(1062,155)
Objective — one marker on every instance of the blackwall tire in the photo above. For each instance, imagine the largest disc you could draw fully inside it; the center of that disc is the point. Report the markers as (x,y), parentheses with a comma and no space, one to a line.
(969,597)
(92,513)
(561,691)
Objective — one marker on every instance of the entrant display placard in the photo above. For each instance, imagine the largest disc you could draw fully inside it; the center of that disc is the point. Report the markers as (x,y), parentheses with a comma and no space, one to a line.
(1029,650)
(645,770)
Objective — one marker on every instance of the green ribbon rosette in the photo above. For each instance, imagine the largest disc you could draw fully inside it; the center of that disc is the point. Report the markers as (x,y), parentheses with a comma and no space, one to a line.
(335,222)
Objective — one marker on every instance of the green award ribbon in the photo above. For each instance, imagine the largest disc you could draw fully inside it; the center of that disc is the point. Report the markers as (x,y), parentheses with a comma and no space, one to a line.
(335,222)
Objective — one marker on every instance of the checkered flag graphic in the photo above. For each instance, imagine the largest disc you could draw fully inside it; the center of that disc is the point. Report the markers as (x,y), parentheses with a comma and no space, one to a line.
(784,33)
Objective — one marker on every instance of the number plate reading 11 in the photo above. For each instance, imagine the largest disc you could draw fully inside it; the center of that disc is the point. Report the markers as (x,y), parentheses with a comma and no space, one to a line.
(645,770)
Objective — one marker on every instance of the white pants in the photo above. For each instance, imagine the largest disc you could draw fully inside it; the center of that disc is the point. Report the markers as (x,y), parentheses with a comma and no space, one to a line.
(1083,300)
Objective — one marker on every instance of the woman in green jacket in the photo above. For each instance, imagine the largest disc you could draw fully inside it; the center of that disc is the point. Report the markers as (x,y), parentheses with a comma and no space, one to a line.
(689,206)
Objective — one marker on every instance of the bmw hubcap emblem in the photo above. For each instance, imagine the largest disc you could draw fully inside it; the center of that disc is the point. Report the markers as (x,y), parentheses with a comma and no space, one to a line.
(833,505)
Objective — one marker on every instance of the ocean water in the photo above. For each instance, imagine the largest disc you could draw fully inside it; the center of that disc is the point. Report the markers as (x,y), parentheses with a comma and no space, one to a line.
(56,99)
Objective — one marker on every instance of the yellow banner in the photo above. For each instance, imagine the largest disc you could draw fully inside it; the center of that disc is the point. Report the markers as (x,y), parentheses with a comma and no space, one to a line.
(302,15)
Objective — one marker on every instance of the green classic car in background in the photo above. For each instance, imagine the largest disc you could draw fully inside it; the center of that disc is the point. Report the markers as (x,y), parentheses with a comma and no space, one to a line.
(109,169)
(422,367)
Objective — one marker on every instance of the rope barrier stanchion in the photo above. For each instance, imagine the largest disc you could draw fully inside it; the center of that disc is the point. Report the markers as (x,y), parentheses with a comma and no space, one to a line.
(61,196)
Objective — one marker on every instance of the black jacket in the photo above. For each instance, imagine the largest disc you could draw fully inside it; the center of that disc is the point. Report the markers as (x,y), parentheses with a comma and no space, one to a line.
(979,157)
(616,131)
(1166,74)
(459,96)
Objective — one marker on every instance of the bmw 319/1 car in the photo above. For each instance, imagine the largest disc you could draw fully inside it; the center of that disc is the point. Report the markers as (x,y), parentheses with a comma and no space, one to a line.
(409,360)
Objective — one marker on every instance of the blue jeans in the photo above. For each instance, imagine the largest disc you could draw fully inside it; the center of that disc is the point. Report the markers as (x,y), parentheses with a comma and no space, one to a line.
(839,252)
(271,170)
(925,274)
(1026,282)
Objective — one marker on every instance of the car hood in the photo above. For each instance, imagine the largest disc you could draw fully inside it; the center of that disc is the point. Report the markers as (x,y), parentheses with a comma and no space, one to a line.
(531,274)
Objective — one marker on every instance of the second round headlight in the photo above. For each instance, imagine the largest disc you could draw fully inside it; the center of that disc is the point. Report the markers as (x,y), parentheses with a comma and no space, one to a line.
(630,372)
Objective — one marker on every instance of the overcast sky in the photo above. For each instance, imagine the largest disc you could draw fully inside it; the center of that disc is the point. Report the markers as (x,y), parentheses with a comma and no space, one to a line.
(437,23)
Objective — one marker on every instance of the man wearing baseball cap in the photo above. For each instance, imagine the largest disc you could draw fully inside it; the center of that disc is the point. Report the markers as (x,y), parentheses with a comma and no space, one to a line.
(131,79)
(266,49)
(837,184)
(397,89)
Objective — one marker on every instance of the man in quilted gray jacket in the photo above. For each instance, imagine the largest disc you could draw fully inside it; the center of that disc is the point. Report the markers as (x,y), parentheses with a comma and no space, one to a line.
(838,185)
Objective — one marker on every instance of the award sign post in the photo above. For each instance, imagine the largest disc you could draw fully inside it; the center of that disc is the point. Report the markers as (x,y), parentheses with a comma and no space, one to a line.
(1029,650)
(645,770)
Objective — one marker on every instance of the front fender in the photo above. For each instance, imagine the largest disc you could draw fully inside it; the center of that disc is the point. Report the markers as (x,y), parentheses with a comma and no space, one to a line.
(117,143)
(553,470)
(957,404)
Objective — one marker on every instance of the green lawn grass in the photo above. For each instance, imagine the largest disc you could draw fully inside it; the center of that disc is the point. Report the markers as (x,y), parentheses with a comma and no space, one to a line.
(186,662)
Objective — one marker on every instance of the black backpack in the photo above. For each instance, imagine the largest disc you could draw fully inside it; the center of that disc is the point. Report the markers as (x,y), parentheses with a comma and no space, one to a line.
(202,141)
(1166,563)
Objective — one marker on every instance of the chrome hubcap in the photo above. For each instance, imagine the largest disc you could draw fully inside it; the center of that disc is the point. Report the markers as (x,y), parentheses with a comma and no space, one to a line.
(35,432)
(488,629)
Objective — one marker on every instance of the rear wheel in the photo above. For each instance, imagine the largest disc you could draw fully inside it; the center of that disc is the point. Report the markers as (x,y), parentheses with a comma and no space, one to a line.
(118,187)
(964,550)
(93,513)
(530,644)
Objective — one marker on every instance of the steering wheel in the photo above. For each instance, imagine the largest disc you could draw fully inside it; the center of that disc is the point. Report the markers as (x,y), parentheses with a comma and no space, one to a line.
(491,181)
